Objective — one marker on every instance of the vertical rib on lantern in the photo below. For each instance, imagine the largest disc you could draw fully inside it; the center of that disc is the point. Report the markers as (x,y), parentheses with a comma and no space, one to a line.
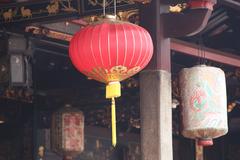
(110,51)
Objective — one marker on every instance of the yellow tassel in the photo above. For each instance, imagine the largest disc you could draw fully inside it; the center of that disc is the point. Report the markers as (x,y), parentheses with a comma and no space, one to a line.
(113,90)
(114,132)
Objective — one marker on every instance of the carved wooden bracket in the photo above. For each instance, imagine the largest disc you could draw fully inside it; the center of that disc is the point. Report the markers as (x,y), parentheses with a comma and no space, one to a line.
(189,22)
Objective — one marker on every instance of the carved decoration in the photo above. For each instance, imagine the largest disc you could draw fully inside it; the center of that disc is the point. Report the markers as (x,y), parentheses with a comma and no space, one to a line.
(48,33)
(178,7)
(11,14)
(131,16)
(109,2)
(53,7)
(68,7)
(26,12)
(16,94)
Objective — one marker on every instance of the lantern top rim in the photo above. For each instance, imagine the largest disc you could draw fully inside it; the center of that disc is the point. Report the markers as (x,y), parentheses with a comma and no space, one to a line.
(202,66)
(110,19)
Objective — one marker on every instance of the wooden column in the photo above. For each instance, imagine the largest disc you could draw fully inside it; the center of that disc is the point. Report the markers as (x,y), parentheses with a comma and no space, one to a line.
(155,91)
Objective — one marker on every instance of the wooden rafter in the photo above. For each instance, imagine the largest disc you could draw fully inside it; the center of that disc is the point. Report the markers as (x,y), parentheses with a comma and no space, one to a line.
(210,54)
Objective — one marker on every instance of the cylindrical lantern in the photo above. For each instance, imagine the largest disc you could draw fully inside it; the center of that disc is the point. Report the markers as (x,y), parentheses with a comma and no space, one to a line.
(68,132)
(203,103)
(110,51)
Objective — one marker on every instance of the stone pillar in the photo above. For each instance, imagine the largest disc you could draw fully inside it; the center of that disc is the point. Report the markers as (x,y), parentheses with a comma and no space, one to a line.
(156,115)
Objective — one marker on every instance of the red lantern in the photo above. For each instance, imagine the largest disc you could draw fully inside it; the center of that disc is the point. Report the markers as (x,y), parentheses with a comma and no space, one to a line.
(110,51)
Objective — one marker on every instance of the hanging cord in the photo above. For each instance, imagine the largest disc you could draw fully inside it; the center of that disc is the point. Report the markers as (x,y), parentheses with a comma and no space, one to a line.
(115,7)
(114,134)
(201,49)
(200,45)
(104,7)
(201,52)
(204,54)
(198,52)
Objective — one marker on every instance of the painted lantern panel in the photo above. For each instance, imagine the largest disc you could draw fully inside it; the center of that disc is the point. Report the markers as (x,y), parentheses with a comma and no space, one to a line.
(203,103)
(68,132)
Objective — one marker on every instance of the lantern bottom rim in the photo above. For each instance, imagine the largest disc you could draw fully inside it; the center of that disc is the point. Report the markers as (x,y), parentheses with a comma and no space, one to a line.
(205,142)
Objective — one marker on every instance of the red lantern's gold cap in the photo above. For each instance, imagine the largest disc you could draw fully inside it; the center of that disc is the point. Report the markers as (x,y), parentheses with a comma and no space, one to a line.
(111,17)
(205,142)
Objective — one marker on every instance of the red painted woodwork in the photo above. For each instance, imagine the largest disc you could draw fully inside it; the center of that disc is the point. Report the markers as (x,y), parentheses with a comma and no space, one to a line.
(198,4)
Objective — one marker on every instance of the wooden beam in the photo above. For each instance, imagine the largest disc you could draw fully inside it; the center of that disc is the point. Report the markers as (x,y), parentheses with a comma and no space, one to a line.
(193,50)
(210,54)
(177,25)
(231,3)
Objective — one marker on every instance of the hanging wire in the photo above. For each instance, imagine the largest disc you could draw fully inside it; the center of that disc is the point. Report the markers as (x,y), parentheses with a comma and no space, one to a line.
(198,52)
(115,7)
(104,7)
(201,49)
(204,54)
(201,52)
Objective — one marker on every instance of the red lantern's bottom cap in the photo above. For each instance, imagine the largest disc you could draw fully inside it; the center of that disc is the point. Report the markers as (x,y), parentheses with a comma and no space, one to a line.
(205,142)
